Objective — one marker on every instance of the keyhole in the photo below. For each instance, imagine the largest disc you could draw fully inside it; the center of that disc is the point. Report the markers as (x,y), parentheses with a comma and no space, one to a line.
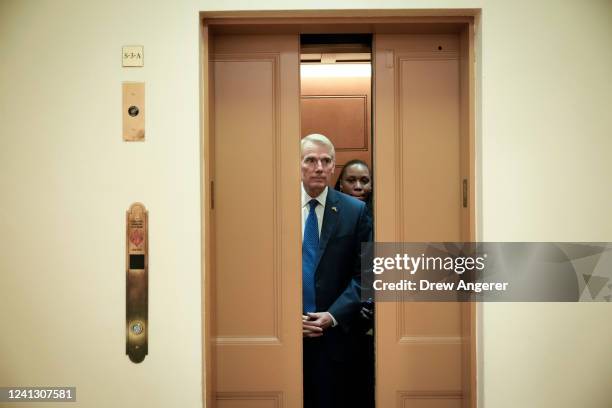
(133,111)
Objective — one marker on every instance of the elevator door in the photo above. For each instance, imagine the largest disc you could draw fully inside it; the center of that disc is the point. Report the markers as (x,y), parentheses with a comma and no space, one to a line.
(421,354)
(256,306)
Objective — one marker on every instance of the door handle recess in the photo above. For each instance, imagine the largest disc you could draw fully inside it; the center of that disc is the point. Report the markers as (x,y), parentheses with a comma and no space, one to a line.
(137,283)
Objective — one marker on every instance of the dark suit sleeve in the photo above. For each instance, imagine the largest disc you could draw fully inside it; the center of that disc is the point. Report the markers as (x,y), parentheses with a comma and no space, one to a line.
(346,307)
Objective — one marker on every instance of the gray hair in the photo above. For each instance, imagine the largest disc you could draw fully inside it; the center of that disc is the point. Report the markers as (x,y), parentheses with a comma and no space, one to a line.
(320,140)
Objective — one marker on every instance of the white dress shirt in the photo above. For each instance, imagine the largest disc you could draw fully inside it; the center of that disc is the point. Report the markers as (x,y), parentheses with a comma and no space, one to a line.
(319,211)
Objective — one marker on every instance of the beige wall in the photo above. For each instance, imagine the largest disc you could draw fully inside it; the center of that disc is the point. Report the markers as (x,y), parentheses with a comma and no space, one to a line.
(546,140)
(66,180)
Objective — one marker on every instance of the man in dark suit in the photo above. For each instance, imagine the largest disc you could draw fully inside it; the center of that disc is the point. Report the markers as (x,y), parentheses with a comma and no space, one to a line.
(334,226)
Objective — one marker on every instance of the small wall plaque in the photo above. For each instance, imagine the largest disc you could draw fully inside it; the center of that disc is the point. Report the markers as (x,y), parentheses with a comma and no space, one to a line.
(133,55)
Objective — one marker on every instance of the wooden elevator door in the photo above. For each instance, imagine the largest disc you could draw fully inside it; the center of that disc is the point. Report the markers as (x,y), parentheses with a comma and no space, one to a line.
(422,358)
(421,352)
(256,278)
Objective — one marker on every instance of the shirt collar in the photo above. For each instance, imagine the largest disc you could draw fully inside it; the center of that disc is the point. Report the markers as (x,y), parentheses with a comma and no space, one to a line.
(321,198)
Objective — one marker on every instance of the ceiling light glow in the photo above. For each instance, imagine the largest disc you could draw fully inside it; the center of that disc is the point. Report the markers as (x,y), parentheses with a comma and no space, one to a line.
(335,70)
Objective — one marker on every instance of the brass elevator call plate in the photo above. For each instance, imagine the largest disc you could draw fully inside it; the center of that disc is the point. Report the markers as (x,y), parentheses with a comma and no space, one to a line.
(137,283)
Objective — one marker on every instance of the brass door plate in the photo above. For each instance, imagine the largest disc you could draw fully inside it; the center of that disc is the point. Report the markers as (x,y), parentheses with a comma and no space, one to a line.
(137,283)
(133,111)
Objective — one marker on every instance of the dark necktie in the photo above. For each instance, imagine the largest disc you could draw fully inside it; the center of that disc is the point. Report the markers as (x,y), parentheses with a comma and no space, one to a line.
(310,246)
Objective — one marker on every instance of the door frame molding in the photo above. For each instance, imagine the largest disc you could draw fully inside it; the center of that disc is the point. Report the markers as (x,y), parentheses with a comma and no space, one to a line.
(336,21)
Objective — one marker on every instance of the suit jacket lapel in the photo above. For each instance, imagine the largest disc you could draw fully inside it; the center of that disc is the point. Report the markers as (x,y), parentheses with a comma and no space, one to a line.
(330,221)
